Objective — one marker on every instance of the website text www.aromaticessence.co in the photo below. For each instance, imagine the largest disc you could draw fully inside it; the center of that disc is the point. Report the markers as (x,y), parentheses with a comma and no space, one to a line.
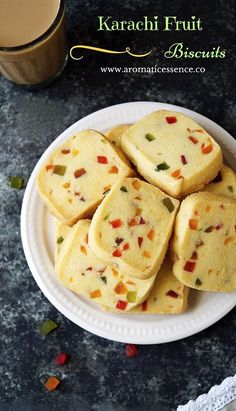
(153,70)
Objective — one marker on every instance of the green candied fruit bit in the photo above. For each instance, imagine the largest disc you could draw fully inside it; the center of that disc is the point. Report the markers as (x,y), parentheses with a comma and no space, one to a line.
(60,240)
(47,326)
(132,296)
(150,137)
(60,170)
(231,189)
(124,189)
(198,282)
(16,182)
(168,204)
(104,279)
(106,217)
(162,166)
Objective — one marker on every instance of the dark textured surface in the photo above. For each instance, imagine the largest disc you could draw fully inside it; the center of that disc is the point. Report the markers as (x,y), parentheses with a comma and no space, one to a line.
(99,376)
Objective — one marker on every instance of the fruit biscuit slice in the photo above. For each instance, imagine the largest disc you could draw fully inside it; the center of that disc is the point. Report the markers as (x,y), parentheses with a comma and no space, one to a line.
(173,152)
(132,227)
(168,295)
(114,134)
(81,271)
(224,184)
(77,175)
(204,243)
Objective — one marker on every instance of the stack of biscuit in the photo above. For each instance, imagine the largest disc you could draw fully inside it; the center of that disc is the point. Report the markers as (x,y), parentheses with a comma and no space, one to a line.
(144,213)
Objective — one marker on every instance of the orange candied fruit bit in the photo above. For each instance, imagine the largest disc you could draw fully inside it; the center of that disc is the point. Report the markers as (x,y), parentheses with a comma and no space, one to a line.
(83,249)
(120,288)
(49,167)
(51,383)
(132,222)
(146,254)
(151,234)
(199,130)
(193,224)
(113,170)
(228,240)
(136,184)
(193,139)
(138,211)
(96,293)
(176,173)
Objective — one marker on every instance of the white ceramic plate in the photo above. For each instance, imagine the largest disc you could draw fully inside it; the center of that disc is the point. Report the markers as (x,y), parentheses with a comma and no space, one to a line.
(37,231)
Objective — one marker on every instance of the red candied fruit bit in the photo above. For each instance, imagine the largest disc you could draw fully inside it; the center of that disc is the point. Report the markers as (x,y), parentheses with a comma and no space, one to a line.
(140,241)
(119,240)
(116,253)
(142,221)
(171,119)
(102,160)
(80,172)
(189,266)
(131,350)
(194,256)
(121,305)
(61,358)
(125,246)
(65,151)
(116,223)
(183,159)
(144,305)
(172,294)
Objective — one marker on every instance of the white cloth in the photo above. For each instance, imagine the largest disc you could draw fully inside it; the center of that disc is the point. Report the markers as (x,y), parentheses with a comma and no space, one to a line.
(220,398)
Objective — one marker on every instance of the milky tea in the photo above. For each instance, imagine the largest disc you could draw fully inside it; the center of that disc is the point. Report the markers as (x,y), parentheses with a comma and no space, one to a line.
(32,40)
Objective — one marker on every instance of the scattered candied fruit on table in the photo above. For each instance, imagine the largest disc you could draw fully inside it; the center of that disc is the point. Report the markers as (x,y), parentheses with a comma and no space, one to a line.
(51,383)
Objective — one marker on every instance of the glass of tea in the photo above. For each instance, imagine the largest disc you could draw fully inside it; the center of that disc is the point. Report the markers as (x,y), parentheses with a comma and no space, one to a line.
(33,49)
